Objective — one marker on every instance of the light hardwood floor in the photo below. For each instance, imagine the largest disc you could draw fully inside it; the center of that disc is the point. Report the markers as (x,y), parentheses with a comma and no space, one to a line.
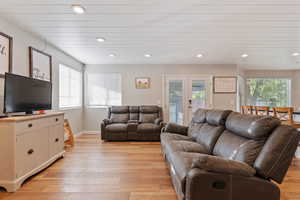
(115,171)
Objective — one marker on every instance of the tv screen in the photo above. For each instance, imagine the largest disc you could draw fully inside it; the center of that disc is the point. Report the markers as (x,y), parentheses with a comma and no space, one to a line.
(23,94)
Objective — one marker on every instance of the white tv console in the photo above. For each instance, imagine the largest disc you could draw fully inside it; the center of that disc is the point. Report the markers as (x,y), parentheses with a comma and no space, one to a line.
(29,144)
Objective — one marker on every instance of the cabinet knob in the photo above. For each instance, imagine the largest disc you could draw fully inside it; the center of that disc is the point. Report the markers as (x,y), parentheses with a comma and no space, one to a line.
(56,119)
(56,140)
(30,151)
(30,125)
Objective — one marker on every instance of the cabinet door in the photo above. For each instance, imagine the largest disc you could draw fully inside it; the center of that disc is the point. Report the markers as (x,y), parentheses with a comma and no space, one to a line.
(56,139)
(31,150)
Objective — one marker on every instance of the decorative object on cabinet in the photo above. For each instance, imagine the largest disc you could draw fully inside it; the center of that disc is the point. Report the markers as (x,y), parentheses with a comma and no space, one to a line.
(69,132)
(6,45)
(142,83)
(40,64)
(29,144)
(225,84)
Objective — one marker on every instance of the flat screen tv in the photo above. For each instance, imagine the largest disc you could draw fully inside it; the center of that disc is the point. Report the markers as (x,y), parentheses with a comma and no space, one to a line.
(23,94)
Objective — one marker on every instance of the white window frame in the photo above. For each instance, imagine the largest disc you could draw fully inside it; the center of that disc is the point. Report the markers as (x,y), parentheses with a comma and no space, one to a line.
(289,87)
(81,90)
(87,103)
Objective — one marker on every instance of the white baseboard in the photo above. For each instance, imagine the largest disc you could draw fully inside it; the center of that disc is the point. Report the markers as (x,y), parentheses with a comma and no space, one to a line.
(91,132)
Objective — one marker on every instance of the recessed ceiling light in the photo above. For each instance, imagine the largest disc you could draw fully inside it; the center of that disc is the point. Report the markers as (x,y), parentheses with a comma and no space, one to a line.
(148,55)
(78,9)
(100,39)
(296,54)
(244,55)
(199,55)
(112,55)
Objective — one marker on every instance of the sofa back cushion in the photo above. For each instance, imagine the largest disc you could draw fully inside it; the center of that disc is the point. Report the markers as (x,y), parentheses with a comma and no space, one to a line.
(251,126)
(235,147)
(208,135)
(277,154)
(119,114)
(211,119)
(244,137)
(134,112)
(148,114)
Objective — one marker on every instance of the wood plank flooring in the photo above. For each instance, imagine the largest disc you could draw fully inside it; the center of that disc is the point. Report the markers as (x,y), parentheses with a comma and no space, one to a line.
(94,170)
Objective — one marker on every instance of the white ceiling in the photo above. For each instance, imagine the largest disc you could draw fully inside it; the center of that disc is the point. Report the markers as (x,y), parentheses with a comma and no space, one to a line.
(173,31)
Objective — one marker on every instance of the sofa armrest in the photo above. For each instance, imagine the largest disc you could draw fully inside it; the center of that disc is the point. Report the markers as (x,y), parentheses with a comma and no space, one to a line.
(223,165)
(107,121)
(201,183)
(158,121)
(175,128)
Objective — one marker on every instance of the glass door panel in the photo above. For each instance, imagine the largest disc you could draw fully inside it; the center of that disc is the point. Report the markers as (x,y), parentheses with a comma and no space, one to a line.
(175,101)
(198,99)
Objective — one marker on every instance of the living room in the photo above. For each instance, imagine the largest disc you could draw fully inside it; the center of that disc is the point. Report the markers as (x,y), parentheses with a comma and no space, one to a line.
(132,62)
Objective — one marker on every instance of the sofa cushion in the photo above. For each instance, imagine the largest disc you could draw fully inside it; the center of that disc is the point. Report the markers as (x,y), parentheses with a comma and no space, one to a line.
(119,117)
(186,146)
(251,126)
(148,128)
(217,117)
(208,136)
(238,148)
(116,127)
(148,117)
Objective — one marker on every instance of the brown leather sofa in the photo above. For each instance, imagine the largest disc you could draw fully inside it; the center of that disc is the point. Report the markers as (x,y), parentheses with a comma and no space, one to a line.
(132,123)
(224,155)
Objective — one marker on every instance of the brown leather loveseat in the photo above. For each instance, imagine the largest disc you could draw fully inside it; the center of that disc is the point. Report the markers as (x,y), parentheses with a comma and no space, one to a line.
(132,123)
(224,155)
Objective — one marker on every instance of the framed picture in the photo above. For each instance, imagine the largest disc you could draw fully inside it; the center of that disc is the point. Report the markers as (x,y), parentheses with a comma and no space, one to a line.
(142,83)
(40,65)
(6,45)
(225,84)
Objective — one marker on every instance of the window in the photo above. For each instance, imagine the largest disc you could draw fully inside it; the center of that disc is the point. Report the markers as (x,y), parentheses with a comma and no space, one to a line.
(70,87)
(104,89)
(273,92)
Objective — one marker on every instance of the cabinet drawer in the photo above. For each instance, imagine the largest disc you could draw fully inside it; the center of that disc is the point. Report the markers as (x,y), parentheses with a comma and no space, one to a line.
(56,120)
(56,140)
(31,150)
(25,126)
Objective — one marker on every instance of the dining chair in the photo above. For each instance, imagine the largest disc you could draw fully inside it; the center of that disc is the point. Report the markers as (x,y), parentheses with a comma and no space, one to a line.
(262,110)
(247,110)
(286,115)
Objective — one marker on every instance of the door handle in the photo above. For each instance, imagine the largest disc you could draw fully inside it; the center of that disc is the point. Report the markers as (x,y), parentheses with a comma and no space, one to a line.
(30,151)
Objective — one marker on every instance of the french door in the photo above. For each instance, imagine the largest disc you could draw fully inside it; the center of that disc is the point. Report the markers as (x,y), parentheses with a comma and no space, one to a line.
(184,94)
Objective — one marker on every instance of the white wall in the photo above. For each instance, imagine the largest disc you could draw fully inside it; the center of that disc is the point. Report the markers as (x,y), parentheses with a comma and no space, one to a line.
(21,41)
(153,96)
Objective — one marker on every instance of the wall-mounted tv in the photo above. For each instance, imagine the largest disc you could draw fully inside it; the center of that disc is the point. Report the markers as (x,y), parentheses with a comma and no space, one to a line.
(24,94)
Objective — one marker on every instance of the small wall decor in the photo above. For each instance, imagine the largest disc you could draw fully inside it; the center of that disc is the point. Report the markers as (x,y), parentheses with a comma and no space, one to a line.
(225,84)
(40,65)
(6,44)
(142,83)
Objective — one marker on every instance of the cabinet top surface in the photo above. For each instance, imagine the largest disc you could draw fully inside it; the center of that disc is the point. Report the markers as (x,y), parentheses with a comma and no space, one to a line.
(29,117)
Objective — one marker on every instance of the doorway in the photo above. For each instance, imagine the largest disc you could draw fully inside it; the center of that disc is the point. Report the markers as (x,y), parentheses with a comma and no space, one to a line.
(184,94)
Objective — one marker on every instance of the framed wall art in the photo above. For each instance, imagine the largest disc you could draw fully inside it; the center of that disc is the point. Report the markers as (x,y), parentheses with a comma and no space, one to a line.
(225,84)
(6,45)
(142,83)
(40,65)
